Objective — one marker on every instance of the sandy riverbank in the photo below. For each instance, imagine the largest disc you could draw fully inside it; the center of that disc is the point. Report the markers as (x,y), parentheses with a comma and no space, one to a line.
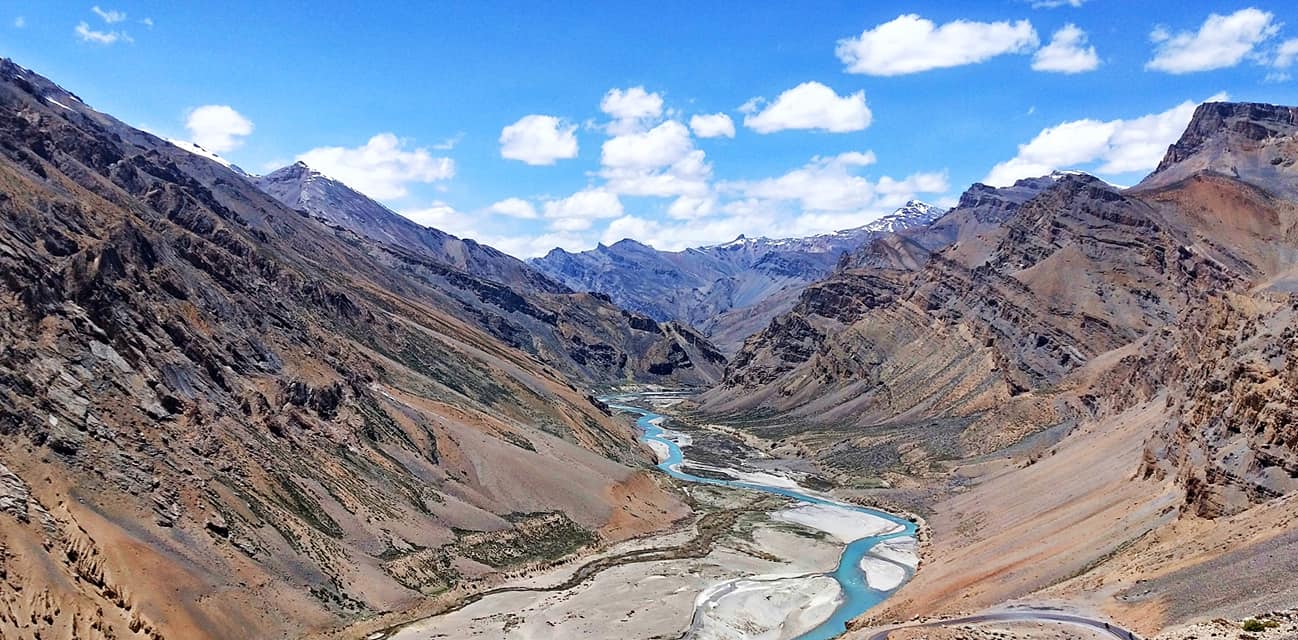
(765,607)
(658,598)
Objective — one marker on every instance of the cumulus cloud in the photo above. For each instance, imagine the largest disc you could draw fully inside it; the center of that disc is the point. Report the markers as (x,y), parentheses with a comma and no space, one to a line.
(834,184)
(824,184)
(691,207)
(382,168)
(714,125)
(444,217)
(86,34)
(577,211)
(217,127)
(631,109)
(661,161)
(109,16)
(1286,54)
(687,176)
(538,140)
(810,105)
(1221,42)
(514,208)
(757,217)
(674,236)
(895,193)
(531,246)
(1115,146)
(1067,52)
(659,146)
(1055,4)
(910,44)
(20,22)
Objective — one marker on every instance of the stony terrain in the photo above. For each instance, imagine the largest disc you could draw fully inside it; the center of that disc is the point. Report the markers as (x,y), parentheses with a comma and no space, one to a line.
(225,417)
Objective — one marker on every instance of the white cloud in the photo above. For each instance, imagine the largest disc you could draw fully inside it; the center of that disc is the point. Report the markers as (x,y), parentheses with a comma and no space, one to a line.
(631,109)
(148,22)
(661,161)
(674,236)
(1119,146)
(575,212)
(834,185)
(713,125)
(449,143)
(657,147)
(1221,42)
(824,184)
(1055,4)
(514,208)
(86,34)
(538,140)
(217,127)
(110,16)
(1286,54)
(910,44)
(810,105)
(691,207)
(444,217)
(533,246)
(382,167)
(687,176)
(752,217)
(1066,53)
(20,22)
(895,193)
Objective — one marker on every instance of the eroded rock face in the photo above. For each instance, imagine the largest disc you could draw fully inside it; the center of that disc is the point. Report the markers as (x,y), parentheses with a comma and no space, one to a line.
(1064,299)
(1249,141)
(222,414)
(1233,441)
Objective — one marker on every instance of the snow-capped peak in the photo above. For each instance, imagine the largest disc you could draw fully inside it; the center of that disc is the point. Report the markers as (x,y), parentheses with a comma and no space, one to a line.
(199,151)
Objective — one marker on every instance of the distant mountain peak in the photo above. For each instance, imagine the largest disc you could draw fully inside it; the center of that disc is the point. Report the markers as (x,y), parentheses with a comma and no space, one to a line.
(627,243)
(297,171)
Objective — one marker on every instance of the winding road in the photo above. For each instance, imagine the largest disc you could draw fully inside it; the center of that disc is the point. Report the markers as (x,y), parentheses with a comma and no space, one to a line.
(1032,615)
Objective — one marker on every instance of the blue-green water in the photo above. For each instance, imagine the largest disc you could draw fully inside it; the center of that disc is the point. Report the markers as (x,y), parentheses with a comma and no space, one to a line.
(858,597)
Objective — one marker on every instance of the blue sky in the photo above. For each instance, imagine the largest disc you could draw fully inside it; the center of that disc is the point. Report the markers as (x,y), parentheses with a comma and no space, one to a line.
(530,126)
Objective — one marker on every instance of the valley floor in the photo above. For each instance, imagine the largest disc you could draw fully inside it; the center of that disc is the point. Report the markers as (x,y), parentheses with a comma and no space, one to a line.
(748,564)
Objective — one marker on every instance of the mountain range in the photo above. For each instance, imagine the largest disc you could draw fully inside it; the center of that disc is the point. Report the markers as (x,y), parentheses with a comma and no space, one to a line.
(269,406)
(728,291)
(213,398)
(1087,375)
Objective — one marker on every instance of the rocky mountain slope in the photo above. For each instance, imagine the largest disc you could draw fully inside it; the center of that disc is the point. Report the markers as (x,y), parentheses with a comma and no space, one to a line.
(1106,373)
(228,418)
(584,335)
(729,291)
(303,188)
